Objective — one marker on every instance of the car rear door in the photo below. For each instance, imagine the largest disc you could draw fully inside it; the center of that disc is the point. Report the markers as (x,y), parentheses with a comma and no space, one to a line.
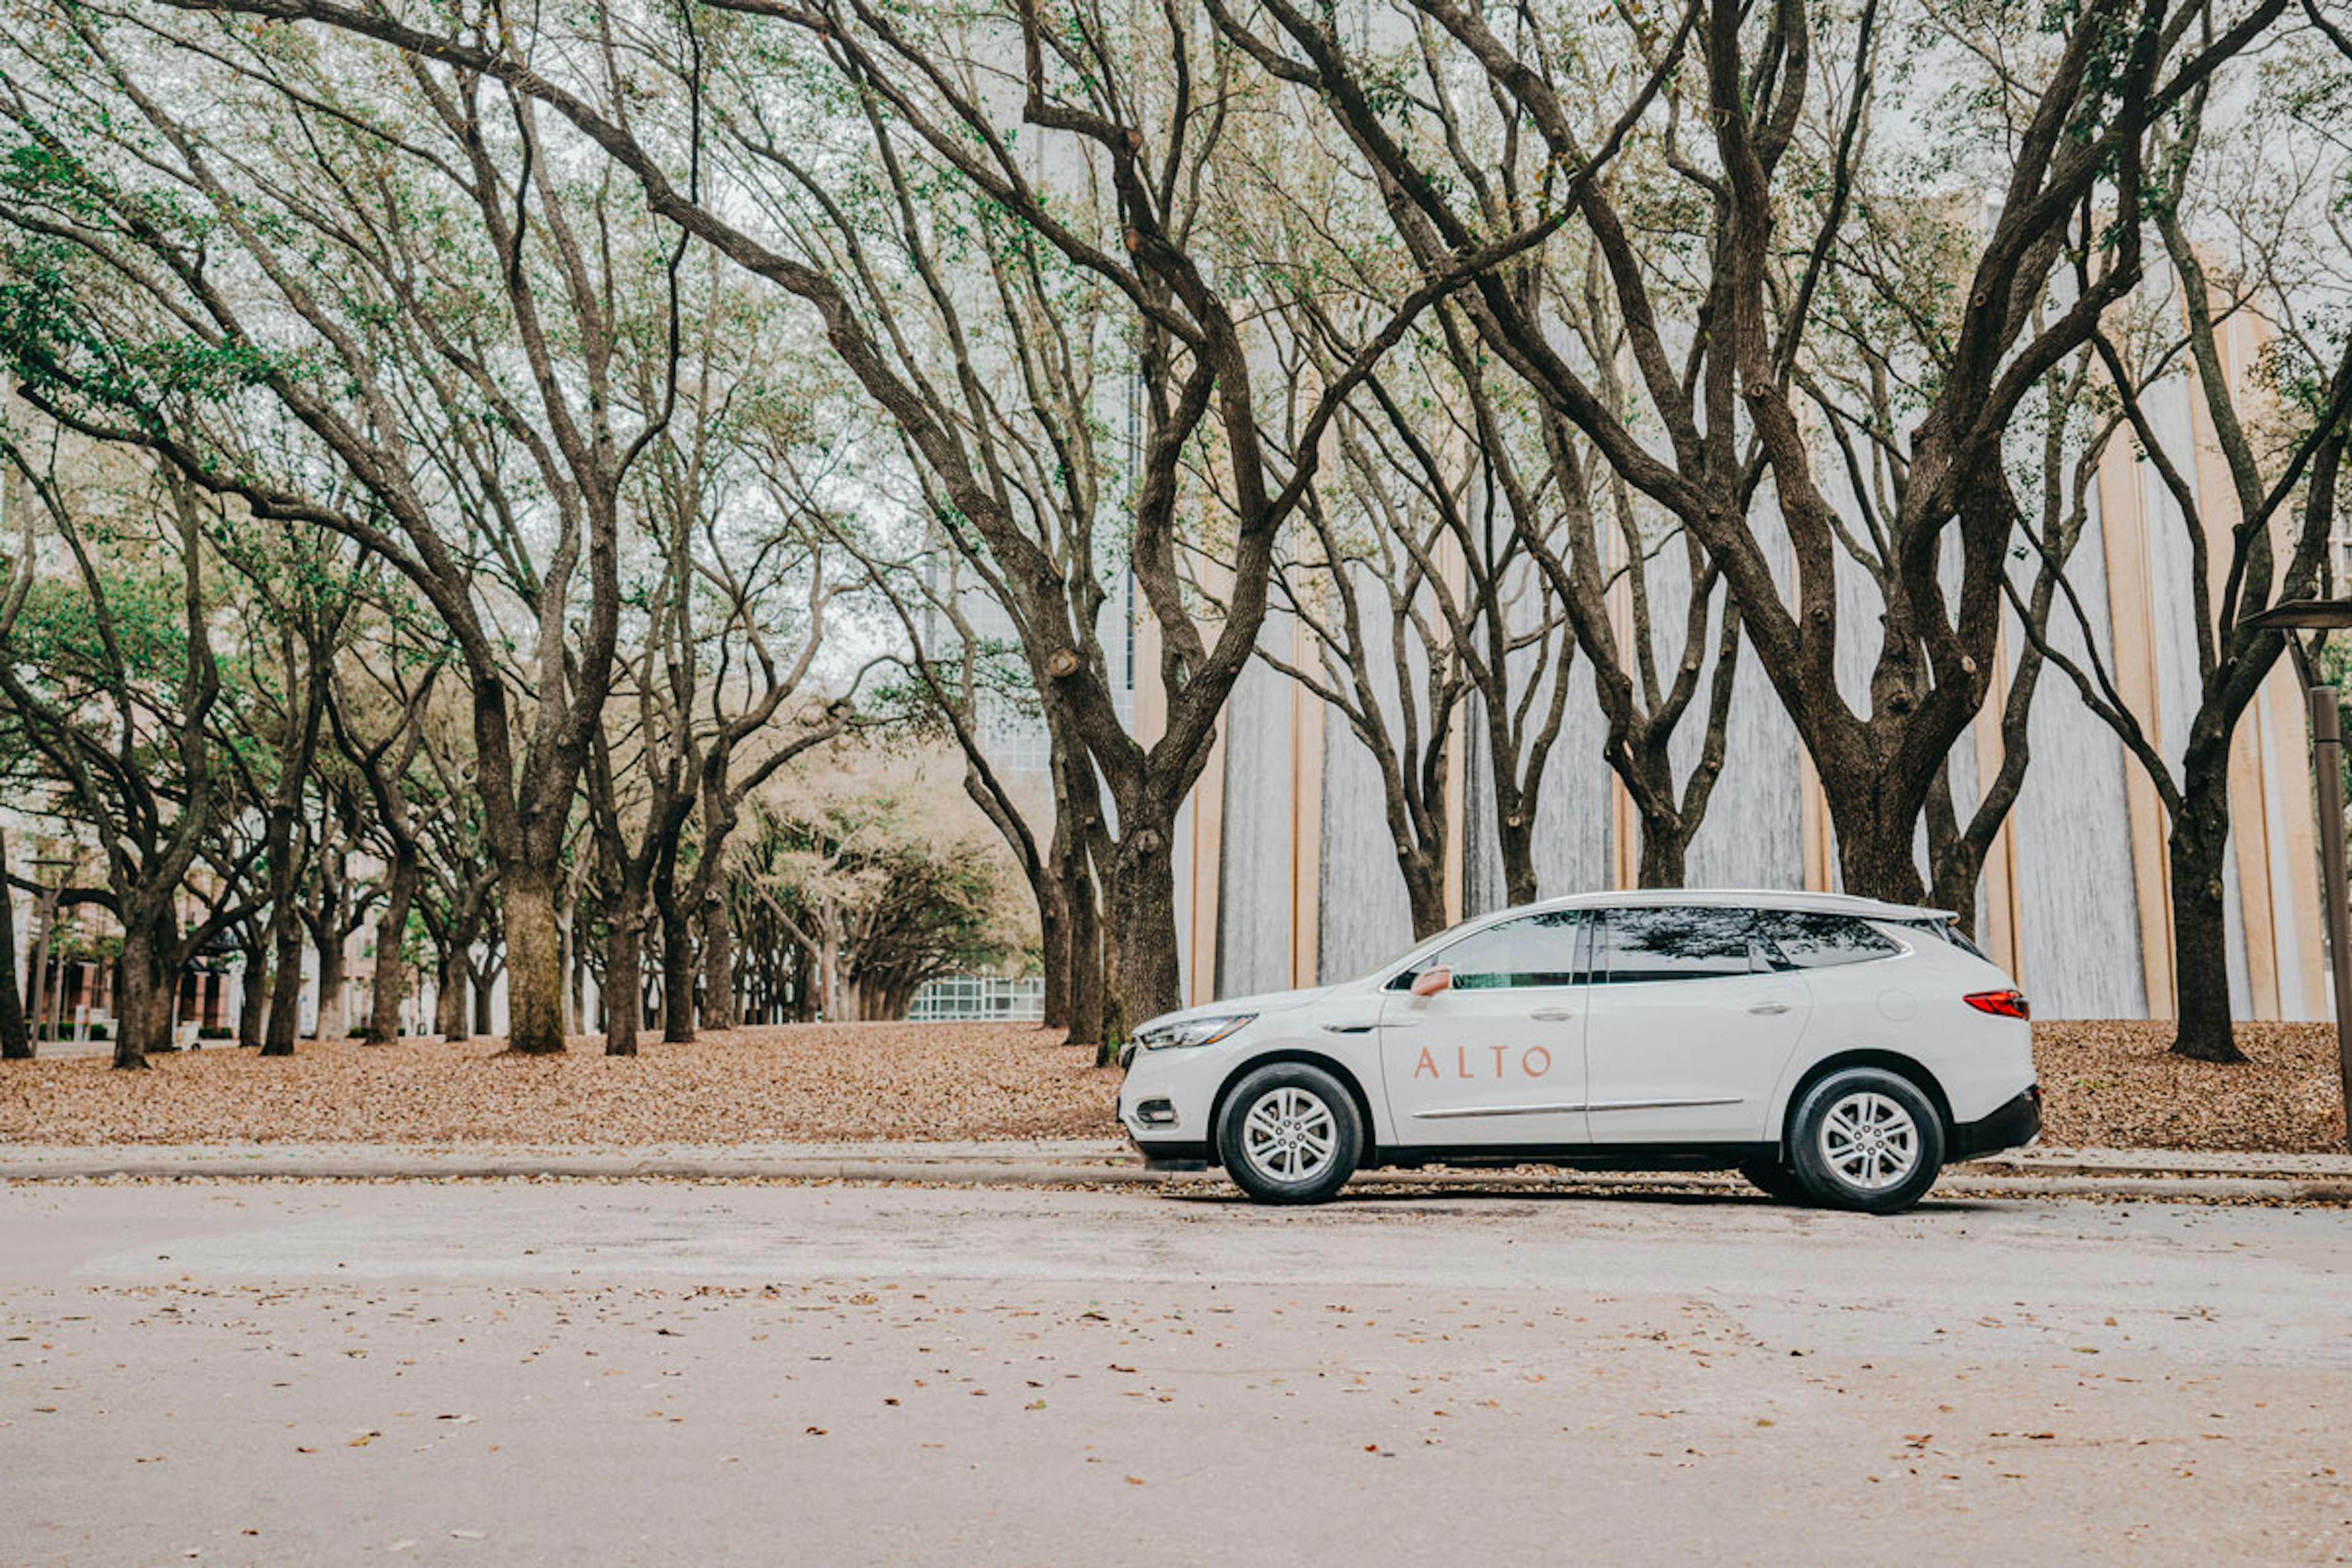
(1691,1021)
(1498,1058)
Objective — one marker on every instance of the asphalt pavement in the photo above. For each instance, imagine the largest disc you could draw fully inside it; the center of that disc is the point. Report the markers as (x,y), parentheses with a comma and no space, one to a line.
(674,1372)
(2040,1170)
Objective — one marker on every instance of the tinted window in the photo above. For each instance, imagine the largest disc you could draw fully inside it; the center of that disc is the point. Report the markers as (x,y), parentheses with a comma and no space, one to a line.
(1533,950)
(1695,942)
(1944,930)
(1807,941)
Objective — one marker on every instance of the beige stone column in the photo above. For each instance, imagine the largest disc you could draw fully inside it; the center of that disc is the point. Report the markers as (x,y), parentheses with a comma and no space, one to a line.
(1307,721)
(2123,530)
(2003,936)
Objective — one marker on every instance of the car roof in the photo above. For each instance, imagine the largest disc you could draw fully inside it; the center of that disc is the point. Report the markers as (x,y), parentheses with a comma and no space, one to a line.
(1746,897)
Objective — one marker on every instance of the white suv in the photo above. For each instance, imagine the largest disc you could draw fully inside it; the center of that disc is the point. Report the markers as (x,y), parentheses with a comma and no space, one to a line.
(1835,1050)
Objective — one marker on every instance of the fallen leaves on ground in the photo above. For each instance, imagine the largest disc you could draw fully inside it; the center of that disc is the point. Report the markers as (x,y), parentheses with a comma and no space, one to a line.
(2105,1084)
(2117,1084)
(791,1082)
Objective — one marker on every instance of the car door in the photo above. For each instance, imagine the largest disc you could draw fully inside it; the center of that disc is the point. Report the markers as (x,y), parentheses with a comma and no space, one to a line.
(1693,1016)
(1499,1058)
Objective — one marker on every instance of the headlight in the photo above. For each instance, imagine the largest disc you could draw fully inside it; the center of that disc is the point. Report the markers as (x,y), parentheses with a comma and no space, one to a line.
(1189,1032)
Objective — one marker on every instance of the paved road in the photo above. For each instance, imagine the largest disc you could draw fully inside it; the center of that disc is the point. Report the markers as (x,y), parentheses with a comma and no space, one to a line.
(667,1372)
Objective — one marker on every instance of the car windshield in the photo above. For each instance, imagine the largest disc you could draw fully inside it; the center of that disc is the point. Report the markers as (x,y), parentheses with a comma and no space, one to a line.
(1426,945)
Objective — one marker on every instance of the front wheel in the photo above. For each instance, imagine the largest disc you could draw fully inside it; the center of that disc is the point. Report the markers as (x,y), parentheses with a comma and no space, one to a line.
(1867,1139)
(1290,1135)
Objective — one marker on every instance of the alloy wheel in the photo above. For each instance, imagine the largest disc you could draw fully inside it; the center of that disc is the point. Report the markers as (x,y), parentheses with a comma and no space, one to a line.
(1289,1134)
(1870,1141)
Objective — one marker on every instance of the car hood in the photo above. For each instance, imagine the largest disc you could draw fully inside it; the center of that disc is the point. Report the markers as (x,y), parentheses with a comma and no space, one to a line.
(1266,1001)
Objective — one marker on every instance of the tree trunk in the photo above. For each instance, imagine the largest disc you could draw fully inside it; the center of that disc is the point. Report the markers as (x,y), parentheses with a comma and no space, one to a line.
(484,982)
(1877,844)
(566,960)
(286,983)
(1665,848)
(391,954)
(677,966)
(1115,1016)
(253,996)
(1515,837)
(42,1001)
(1143,918)
(623,980)
(718,965)
(828,974)
(334,983)
(575,972)
(15,1040)
(2201,930)
(1083,926)
(134,1015)
(1425,892)
(534,962)
(449,996)
(1054,946)
(1955,862)
(163,1000)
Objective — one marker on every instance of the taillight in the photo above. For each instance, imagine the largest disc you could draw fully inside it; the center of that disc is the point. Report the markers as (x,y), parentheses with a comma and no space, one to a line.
(2000,1003)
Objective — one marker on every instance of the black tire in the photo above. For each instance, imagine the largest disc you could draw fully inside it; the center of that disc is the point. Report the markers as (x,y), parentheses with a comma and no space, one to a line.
(1297,1102)
(1776,1182)
(1865,1139)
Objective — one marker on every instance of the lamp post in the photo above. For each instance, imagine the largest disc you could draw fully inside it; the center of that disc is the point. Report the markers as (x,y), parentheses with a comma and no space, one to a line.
(2324,616)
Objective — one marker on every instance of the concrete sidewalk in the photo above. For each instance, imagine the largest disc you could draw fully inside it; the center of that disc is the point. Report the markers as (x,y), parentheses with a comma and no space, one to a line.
(2145,1172)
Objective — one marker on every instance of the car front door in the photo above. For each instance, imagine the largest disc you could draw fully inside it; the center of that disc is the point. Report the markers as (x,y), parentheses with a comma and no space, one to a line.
(1693,1016)
(1498,1056)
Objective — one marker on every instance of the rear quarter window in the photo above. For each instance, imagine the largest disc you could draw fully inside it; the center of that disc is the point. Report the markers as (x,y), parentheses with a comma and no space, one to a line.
(1947,930)
(1805,939)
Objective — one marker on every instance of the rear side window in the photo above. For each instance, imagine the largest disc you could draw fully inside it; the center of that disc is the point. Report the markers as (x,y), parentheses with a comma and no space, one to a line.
(1533,950)
(1944,930)
(1686,943)
(1804,939)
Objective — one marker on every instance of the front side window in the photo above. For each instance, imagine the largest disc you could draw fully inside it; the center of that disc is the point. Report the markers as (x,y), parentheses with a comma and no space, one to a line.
(1532,949)
(1686,943)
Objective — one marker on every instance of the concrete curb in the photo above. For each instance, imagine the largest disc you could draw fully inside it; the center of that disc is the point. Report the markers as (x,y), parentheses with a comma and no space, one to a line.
(587,1167)
(2054,1178)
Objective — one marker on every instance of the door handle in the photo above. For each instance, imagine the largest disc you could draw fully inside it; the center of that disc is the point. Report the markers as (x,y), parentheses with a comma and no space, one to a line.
(1365,1028)
(1770,1008)
(1553,1014)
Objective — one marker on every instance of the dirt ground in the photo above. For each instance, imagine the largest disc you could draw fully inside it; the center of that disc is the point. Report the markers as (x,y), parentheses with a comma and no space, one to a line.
(817,1082)
(2106,1084)
(2115,1085)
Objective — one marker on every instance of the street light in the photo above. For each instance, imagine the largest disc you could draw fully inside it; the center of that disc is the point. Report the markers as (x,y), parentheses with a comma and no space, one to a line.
(2324,616)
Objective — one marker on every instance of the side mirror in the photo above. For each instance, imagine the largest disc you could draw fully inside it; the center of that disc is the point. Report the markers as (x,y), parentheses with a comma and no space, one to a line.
(1429,982)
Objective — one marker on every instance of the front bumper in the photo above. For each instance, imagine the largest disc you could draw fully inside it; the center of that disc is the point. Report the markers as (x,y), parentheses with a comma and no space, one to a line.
(2015,1125)
(1164,1103)
(1154,1125)
(1171,1154)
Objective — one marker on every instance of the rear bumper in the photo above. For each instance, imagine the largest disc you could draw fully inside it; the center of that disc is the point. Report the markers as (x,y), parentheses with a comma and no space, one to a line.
(2015,1125)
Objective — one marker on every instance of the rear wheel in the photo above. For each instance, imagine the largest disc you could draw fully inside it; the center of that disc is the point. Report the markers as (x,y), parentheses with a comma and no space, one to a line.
(1867,1139)
(1290,1135)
